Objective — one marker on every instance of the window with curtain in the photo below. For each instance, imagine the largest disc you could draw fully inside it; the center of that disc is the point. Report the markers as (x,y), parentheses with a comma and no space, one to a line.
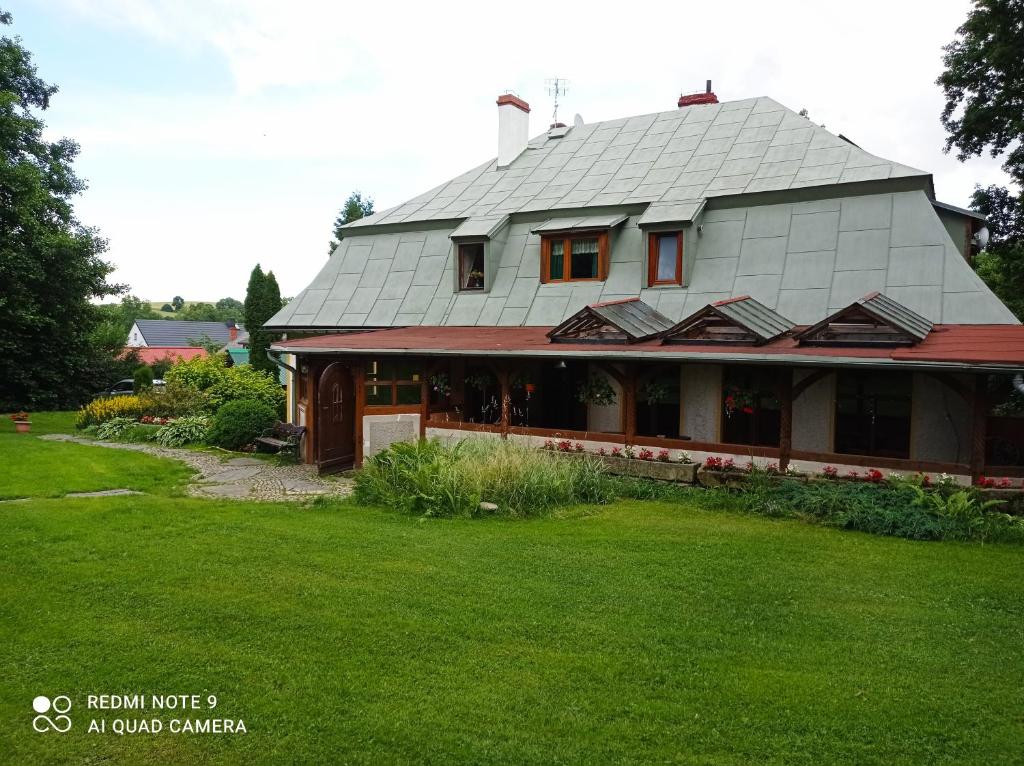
(665,258)
(574,258)
(471,266)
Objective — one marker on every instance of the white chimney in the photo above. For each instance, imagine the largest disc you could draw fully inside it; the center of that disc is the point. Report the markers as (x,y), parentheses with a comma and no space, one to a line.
(513,128)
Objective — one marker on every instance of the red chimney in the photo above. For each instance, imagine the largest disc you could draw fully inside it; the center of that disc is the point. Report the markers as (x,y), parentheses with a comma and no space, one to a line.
(232,330)
(707,97)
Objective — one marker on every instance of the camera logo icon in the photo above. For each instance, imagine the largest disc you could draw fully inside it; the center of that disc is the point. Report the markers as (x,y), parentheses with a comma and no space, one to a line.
(59,706)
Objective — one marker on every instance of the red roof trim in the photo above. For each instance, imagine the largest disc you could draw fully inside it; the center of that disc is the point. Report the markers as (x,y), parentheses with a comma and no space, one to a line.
(957,344)
(724,301)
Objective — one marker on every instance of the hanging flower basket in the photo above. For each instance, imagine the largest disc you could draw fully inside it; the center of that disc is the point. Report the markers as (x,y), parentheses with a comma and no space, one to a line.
(738,400)
(654,392)
(596,390)
(439,383)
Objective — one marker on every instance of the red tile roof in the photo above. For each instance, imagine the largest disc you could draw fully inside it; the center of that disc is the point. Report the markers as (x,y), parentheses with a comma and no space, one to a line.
(956,344)
(150,354)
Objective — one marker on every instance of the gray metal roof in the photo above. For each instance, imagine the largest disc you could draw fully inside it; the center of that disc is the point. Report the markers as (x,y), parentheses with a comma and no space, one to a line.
(479,228)
(671,212)
(961,210)
(176,333)
(632,316)
(580,223)
(745,312)
(896,314)
(754,316)
(698,151)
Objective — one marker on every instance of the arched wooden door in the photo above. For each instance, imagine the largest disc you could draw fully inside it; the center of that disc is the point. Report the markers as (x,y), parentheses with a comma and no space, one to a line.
(335,428)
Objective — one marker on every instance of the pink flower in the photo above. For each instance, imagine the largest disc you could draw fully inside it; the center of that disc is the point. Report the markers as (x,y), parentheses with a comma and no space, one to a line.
(830,471)
(713,462)
(663,455)
(646,454)
(602,451)
(728,464)
(874,476)
(616,451)
(578,447)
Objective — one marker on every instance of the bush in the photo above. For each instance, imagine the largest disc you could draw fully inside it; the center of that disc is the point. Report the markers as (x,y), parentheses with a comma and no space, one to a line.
(219,385)
(143,377)
(428,478)
(246,383)
(176,400)
(106,407)
(115,428)
(187,430)
(167,307)
(239,423)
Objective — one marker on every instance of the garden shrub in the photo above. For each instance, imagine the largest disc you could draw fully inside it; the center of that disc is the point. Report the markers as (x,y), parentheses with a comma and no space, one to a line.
(428,478)
(185,430)
(176,400)
(106,407)
(115,427)
(143,378)
(238,423)
(218,385)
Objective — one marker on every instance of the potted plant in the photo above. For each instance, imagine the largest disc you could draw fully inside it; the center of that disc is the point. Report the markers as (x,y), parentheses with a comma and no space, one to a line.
(596,390)
(21,422)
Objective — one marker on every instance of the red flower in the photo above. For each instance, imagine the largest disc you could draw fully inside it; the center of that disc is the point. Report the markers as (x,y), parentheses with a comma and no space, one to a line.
(728,464)
(830,471)
(616,451)
(663,455)
(874,475)
(987,483)
(748,410)
(713,462)
(578,447)
(646,454)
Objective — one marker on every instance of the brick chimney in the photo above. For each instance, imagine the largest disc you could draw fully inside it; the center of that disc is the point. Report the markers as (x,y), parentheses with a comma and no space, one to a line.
(513,128)
(707,97)
(232,330)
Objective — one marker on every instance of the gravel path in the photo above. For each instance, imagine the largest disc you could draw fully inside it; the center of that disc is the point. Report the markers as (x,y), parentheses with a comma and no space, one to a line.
(239,478)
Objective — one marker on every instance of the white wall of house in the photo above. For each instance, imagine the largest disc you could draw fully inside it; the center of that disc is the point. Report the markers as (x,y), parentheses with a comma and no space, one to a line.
(940,422)
(813,413)
(135,339)
(605,418)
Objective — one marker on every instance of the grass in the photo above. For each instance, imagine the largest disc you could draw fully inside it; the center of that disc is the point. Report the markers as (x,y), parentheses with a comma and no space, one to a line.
(36,468)
(642,631)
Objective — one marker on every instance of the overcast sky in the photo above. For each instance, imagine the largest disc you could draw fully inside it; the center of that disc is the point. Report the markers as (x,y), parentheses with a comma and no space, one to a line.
(220,133)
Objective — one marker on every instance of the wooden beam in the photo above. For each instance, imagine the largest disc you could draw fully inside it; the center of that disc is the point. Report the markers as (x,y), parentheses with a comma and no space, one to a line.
(979,417)
(629,392)
(505,381)
(785,418)
(359,373)
(808,381)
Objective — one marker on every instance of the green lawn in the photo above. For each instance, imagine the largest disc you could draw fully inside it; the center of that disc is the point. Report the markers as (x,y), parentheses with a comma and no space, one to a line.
(35,468)
(639,632)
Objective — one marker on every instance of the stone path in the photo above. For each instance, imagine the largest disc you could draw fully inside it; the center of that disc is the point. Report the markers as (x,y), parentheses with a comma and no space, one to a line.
(238,478)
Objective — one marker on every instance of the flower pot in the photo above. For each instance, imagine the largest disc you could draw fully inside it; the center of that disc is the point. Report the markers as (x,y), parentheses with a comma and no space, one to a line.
(22,426)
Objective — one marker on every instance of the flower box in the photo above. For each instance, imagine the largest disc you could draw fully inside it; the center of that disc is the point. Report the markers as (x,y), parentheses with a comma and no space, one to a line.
(650,469)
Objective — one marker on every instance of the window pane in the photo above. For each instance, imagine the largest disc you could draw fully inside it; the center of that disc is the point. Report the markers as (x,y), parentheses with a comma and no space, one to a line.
(406,371)
(557,270)
(667,249)
(584,259)
(873,414)
(471,267)
(380,370)
(409,394)
(378,395)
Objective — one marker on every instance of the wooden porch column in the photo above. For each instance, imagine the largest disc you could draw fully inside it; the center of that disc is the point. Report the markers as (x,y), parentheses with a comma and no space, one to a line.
(359,374)
(505,381)
(629,388)
(785,419)
(979,411)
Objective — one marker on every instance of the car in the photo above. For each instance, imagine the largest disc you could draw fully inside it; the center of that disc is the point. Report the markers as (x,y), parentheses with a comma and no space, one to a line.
(127,386)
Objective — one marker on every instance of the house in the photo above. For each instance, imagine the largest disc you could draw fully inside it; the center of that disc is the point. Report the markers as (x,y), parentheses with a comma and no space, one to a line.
(180,333)
(156,339)
(723,278)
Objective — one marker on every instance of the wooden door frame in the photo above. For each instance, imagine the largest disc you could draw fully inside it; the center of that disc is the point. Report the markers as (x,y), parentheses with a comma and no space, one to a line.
(321,370)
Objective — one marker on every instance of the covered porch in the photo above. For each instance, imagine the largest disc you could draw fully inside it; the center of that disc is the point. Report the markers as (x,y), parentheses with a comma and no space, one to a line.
(905,409)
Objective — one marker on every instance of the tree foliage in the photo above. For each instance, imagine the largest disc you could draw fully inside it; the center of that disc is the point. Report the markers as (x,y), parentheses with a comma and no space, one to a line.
(50,265)
(984,84)
(355,207)
(262,301)
(177,303)
(1001,264)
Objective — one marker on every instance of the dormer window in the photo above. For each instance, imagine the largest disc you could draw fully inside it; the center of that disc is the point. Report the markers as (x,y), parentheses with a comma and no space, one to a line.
(471,266)
(576,258)
(665,258)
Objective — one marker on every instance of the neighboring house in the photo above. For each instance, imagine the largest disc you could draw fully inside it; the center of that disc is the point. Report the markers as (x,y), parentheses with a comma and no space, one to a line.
(180,333)
(723,278)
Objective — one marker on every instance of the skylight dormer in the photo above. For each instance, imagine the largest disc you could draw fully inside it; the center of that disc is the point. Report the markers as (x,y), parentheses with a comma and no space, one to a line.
(739,321)
(874,320)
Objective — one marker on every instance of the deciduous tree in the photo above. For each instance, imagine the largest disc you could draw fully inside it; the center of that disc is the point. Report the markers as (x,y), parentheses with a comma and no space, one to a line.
(50,264)
(355,207)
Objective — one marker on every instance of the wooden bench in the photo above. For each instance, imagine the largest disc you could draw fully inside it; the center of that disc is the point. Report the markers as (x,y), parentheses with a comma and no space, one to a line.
(283,438)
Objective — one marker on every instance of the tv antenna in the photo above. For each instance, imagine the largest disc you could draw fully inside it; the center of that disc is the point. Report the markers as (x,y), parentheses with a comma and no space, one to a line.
(556,87)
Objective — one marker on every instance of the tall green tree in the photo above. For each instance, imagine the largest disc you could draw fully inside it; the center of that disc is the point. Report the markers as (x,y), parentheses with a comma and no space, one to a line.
(355,207)
(177,302)
(262,301)
(984,88)
(50,264)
